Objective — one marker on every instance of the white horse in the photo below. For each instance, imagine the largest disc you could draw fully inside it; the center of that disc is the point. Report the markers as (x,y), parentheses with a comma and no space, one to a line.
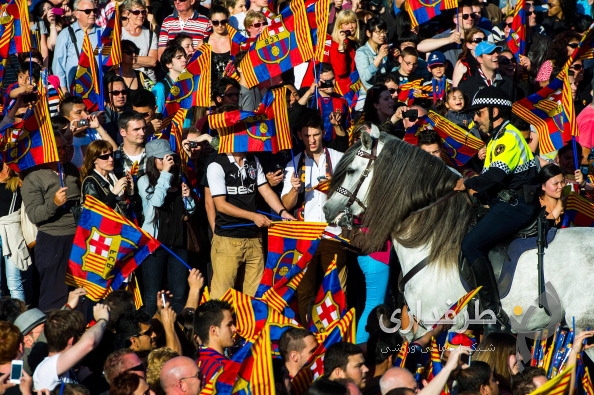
(407,196)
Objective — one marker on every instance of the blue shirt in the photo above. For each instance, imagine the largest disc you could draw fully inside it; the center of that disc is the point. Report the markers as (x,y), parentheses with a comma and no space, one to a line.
(65,54)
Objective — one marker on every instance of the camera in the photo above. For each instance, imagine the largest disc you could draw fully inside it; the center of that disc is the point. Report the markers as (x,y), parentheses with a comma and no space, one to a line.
(412,115)
(347,32)
(83,123)
(193,144)
(326,84)
(29,97)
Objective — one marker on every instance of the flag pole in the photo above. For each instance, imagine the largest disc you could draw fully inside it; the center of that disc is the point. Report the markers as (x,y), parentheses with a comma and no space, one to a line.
(575,153)
(100,71)
(176,257)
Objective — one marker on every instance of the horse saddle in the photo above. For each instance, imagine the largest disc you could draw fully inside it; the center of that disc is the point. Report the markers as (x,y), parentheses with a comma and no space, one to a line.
(504,257)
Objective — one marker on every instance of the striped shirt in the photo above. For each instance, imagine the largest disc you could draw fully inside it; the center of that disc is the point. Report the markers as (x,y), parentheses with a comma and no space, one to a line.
(210,361)
(198,27)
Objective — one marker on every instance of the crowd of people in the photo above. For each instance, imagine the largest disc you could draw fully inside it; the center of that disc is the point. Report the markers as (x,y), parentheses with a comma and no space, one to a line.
(215,214)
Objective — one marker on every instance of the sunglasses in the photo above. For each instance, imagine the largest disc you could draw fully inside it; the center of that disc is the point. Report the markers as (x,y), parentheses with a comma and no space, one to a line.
(505,61)
(529,13)
(148,332)
(473,15)
(576,67)
(392,90)
(509,25)
(137,368)
(222,22)
(89,11)
(231,94)
(105,156)
(573,45)
(138,12)
(179,1)
(117,93)
(477,40)
(258,25)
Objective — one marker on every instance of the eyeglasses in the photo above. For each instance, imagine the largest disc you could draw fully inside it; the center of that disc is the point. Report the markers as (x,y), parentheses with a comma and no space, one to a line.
(222,22)
(573,45)
(392,90)
(198,376)
(148,332)
(231,94)
(89,11)
(477,40)
(466,16)
(137,368)
(105,156)
(576,67)
(509,25)
(504,61)
(258,25)
(138,12)
(144,114)
(381,32)
(479,112)
(179,1)
(117,93)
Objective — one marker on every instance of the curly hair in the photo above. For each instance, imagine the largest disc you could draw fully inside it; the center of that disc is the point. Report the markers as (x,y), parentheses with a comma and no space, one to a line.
(155,361)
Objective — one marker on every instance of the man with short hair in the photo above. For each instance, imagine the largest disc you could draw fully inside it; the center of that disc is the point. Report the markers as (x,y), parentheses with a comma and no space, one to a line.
(32,323)
(134,331)
(144,103)
(130,154)
(185,19)
(181,376)
(215,328)
(430,142)
(345,360)
(487,54)
(68,344)
(70,40)
(120,361)
(397,378)
(173,61)
(116,102)
(477,379)
(296,347)
(11,348)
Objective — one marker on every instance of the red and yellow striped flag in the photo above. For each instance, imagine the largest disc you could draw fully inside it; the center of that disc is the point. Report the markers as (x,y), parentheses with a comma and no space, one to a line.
(87,48)
(25,28)
(558,385)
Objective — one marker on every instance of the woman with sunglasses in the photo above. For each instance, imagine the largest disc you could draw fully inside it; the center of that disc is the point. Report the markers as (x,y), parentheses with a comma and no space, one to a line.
(467,64)
(98,179)
(562,47)
(219,41)
(254,23)
(134,79)
(136,13)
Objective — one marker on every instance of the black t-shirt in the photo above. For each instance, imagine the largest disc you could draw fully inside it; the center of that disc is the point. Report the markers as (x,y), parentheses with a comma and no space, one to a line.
(6,196)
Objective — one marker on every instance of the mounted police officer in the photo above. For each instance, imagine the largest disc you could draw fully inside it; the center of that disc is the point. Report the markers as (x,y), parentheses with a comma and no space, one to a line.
(507,184)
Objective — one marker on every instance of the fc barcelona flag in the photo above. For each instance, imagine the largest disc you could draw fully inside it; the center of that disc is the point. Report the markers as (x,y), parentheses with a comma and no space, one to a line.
(255,376)
(31,142)
(458,144)
(330,304)
(279,296)
(317,15)
(421,11)
(111,40)
(587,386)
(411,134)
(558,385)
(406,91)
(21,32)
(6,31)
(107,247)
(578,212)
(284,44)
(265,129)
(192,87)
(516,41)
(290,244)
(550,113)
(86,81)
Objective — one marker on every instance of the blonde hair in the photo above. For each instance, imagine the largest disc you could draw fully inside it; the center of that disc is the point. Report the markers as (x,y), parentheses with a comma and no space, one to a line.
(13,182)
(155,361)
(345,16)
(251,16)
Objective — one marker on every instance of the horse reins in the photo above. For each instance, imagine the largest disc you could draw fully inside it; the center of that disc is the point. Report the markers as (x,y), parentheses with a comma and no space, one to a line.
(371,157)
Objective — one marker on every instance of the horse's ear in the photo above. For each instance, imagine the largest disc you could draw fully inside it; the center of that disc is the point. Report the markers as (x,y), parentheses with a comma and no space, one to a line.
(366,140)
(374,132)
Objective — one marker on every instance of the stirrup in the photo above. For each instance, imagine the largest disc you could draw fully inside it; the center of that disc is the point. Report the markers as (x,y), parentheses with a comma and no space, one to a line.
(501,324)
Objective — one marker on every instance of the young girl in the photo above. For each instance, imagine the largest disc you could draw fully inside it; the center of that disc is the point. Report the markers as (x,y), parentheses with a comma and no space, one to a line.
(455,102)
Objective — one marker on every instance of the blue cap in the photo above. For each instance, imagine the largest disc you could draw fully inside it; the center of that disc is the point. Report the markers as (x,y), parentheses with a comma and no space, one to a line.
(436,58)
(486,47)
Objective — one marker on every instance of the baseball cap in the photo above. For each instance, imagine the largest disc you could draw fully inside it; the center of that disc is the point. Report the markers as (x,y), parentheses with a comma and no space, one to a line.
(158,148)
(436,58)
(29,320)
(486,47)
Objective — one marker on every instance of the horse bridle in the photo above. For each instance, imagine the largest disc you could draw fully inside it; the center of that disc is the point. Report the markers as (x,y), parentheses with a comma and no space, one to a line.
(371,157)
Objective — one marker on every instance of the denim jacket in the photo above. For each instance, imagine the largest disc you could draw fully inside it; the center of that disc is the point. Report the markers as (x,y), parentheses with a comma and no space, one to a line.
(364,61)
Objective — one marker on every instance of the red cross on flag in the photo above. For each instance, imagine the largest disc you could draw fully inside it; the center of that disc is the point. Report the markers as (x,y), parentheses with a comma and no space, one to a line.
(330,302)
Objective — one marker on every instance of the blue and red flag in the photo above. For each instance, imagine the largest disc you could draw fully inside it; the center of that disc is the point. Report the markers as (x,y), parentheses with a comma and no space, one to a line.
(86,81)
(107,248)
(290,245)
(458,143)
(284,44)
(21,31)
(111,40)
(421,11)
(406,91)
(435,365)
(281,294)
(330,304)
(30,142)
(411,134)
(355,87)
(265,129)
(317,16)
(578,212)
(550,110)
(6,31)
(192,87)
(516,41)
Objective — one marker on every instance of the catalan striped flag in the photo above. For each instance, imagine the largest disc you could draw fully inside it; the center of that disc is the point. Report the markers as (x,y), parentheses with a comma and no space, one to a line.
(21,29)
(400,360)
(411,134)
(34,144)
(406,91)
(107,248)
(265,129)
(587,386)
(6,31)
(284,44)
(290,244)
(586,48)
(281,294)
(421,11)
(134,289)
(86,81)
(317,16)
(550,110)
(330,304)
(578,212)
(255,376)
(435,361)
(457,307)
(558,385)
(516,41)
(192,87)
(458,144)
(111,40)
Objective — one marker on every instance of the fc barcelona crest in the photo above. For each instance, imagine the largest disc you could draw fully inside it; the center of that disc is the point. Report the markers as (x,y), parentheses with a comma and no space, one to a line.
(284,264)
(102,253)
(274,48)
(325,313)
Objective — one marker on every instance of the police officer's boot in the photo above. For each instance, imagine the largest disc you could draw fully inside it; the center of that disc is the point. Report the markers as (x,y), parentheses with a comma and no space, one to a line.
(489,296)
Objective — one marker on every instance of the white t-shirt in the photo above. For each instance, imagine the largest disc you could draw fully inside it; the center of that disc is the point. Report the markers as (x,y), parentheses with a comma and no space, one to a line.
(46,374)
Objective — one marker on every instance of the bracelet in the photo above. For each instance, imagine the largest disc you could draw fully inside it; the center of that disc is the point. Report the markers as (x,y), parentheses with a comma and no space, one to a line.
(102,319)
(282,210)
(68,307)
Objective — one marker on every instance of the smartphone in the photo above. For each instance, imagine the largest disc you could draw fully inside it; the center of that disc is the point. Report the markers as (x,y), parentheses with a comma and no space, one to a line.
(585,170)
(163,299)
(16,371)
(58,11)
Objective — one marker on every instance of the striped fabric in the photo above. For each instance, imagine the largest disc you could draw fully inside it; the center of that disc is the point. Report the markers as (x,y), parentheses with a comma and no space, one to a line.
(578,212)
(198,27)
(558,385)
(421,11)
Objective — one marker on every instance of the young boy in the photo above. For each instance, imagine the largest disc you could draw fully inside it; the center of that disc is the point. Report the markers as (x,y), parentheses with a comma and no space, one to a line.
(439,82)
(174,61)
(26,84)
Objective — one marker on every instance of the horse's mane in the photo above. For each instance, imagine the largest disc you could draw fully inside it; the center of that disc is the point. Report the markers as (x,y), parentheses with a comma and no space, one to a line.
(406,179)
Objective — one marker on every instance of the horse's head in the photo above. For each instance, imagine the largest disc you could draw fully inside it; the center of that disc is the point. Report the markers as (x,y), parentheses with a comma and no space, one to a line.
(351,179)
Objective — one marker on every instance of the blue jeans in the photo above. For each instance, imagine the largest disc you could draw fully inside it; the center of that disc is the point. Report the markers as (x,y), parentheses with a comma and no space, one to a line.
(13,277)
(377,275)
(155,269)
